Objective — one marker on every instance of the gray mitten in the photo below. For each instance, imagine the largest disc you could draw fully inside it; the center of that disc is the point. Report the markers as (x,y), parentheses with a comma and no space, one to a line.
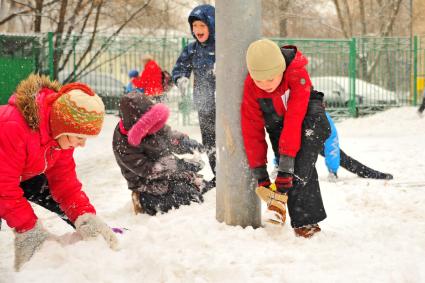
(28,242)
(183,84)
(90,226)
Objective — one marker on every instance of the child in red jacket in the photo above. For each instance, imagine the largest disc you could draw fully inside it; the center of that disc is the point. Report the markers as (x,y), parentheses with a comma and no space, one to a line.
(41,125)
(278,97)
(151,78)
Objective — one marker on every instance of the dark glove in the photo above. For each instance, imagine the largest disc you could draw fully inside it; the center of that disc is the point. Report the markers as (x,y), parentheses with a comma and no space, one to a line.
(264,182)
(191,144)
(260,173)
(283,182)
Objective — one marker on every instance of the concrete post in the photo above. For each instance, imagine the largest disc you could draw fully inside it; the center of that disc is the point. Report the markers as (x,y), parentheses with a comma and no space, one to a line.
(238,23)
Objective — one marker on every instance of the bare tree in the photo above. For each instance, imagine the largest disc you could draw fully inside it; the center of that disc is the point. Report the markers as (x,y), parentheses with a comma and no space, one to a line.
(298,18)
(378,21)
(352,13)
(70,19)
(283,21)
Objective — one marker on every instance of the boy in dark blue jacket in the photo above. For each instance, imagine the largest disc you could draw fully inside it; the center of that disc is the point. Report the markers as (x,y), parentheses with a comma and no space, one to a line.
(199,57)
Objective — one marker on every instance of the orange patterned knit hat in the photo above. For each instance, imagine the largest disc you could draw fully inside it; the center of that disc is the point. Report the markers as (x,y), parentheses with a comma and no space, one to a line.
(78,112)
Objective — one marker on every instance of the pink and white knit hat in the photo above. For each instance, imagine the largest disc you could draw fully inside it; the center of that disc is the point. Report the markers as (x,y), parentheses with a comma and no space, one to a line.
(77,111)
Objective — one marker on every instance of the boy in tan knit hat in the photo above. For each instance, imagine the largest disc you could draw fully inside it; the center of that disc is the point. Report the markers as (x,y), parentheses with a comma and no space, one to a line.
(41,125)
(279,97)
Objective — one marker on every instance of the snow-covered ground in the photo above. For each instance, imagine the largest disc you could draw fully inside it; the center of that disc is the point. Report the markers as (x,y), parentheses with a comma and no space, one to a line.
(375,230)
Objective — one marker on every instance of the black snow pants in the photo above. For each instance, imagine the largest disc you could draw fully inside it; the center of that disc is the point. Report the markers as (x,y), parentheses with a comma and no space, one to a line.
(422,106)
(181,194)
(207,125)
(360,169)
(305,205)
(36,190)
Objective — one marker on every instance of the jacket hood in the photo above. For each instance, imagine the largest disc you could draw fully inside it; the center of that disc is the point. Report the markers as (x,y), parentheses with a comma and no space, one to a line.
(298,60)
(132,106)
(31,101)
(206,14)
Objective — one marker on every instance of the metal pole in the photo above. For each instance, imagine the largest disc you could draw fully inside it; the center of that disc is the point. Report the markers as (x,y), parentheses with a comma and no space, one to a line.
(353,77)
(51,56)
(411,18)
(415,70)
(237,203)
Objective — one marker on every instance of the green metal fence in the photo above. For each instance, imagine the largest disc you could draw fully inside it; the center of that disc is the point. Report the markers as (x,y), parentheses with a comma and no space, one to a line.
(102,62)
(361,75)
(358,76)
(17,61)
(419,70)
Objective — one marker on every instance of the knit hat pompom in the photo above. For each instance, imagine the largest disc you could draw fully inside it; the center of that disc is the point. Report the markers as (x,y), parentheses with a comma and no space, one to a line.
(147,57)
(264,60)
(78,112)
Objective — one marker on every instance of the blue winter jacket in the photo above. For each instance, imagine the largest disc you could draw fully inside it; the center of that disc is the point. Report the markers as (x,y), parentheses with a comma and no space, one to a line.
(332,156)
(200,59)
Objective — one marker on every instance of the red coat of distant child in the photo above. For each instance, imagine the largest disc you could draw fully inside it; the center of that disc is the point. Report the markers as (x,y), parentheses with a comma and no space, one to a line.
(151,78)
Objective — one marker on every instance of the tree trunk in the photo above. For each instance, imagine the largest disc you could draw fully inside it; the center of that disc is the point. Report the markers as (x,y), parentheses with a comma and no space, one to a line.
(283,20)
(38,12)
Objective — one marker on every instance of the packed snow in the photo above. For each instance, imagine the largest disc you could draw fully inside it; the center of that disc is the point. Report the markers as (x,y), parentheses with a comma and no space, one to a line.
(375,230)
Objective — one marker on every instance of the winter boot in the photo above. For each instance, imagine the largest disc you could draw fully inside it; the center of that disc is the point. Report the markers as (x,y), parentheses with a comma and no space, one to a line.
(276,204)
(307,231)
(137,207)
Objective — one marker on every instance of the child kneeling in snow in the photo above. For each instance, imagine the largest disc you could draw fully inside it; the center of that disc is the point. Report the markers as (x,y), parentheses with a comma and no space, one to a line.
(144,148)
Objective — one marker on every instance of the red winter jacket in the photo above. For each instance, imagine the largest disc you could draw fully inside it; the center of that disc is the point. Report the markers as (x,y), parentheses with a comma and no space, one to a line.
(290,100)
(151,79)
(26,152)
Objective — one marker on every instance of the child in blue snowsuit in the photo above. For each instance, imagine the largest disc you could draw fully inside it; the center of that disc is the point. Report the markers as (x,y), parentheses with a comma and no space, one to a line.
(132,75)
(199,57)
(335,157)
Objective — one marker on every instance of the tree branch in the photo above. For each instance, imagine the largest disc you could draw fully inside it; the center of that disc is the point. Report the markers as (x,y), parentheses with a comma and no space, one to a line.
(349,17)
(362,17)
(11,16)
(387,29)
(108,40)
(341,19)
(38,12)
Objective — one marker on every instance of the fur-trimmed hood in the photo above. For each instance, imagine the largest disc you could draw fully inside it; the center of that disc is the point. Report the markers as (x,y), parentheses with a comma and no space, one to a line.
(26,98)
(141,117)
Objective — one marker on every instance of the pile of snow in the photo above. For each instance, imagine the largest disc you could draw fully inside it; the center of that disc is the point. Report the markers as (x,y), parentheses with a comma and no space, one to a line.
(374,231)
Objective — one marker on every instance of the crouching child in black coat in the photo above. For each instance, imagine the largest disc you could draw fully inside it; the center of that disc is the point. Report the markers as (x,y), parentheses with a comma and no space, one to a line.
(145,148)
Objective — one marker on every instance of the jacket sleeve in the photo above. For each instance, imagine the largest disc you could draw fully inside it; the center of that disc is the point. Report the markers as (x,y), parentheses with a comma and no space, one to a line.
(300,86)
(66,188)
(253,133)
(176,142)
(14,208)
(332,155)
(136,163)
(183,66)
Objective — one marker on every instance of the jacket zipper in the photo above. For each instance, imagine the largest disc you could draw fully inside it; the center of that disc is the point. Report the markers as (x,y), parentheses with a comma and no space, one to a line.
(45,160)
